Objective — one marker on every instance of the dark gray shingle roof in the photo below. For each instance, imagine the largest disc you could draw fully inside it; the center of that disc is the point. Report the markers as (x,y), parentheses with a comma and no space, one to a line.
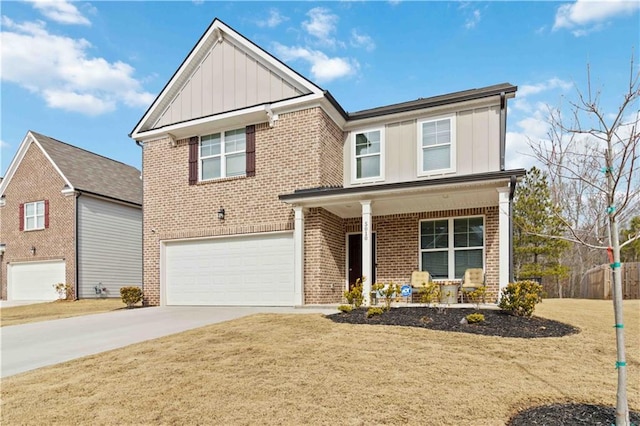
(94,173)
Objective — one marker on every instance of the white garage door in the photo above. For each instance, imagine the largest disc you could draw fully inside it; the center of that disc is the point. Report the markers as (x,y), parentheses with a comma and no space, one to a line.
(35,280)
(251,270)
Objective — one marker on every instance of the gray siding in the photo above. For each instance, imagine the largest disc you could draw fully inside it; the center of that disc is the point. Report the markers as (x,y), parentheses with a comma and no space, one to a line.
(477,145)
(226,79)
(109,246)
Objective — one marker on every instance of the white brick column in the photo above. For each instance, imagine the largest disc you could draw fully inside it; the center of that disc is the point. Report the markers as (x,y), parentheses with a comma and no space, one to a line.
(504,238)
(298,256)
(367,261)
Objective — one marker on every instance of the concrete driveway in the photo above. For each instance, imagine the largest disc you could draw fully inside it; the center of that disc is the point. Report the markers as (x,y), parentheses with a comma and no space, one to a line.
(30,346)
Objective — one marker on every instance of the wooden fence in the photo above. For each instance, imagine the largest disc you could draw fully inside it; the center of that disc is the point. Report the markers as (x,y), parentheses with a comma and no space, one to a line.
(597,282)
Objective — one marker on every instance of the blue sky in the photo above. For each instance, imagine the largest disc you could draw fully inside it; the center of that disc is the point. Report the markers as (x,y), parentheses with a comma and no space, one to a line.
(85,72)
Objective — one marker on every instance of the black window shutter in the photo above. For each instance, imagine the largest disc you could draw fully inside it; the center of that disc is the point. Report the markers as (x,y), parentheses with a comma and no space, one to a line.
(251,150)
(193,160)
(46,213)
(21,213)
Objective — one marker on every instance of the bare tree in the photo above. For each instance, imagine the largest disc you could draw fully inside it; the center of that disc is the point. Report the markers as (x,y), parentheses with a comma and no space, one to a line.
(592,160)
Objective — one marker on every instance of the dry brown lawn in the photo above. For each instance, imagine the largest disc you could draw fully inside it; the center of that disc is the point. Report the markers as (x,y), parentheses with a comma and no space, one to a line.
(305,369)
(55,310)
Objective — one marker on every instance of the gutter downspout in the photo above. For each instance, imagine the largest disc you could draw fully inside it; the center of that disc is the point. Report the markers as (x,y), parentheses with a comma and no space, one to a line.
(512,191)
(77,260)
(503,129)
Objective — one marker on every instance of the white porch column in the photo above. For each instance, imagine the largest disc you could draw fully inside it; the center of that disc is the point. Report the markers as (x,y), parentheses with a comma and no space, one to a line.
(503,238)
(298,256)
(367,261)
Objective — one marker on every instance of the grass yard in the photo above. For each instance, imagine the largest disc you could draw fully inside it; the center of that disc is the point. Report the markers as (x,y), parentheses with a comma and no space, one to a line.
(55,310)
(305,369)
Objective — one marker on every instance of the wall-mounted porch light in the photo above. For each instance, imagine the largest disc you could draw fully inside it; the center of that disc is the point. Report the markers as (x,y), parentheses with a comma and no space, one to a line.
(221,213)
(3,248)
(33,250)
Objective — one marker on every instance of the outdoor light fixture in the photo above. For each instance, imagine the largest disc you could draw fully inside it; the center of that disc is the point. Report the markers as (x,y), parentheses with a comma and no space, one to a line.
(3,248)
(221,213)
(33,250)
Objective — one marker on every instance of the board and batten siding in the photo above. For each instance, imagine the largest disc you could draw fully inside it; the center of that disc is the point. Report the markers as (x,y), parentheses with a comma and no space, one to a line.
(109,246)
(477,146)
(226,79)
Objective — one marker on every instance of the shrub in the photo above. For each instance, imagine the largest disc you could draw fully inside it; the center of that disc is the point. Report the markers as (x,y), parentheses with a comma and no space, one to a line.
(388,292)
(374,311)
(520,298)
(476,296)
(131,295)
(474,318)
(345,308)
(429,293)
(354,296)
(63,290)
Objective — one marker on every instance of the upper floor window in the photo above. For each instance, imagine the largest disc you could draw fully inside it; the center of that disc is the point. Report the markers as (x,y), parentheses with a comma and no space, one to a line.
(436,145)
(448,247)
(368,155)
(34,214)
(223,154)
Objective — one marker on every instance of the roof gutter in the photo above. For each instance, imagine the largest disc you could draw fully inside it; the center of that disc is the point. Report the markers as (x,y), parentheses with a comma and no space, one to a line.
(503,128)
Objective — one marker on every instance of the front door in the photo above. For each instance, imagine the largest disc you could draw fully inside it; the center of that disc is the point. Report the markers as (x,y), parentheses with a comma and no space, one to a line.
(354,258)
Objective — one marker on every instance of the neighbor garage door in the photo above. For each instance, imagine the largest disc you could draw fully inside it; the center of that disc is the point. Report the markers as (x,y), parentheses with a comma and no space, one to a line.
(252,270)
(35,280)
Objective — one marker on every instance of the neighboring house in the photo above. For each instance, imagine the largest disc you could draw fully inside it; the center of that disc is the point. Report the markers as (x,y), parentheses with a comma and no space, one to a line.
(68,216)
(259,189)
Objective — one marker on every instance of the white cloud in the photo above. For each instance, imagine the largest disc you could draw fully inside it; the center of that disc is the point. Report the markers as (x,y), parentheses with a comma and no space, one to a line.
(60,11)
(273,20)
(362,40)
(473,20)
(550,84)
(59,69)
(585,16)
(321,25)
(323,68)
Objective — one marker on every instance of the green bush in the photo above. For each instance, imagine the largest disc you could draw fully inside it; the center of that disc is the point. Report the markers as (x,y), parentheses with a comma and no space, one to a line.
(520,298)
(429,293)
(476,296)
(374,311)
(345,308)
(474,318)
(388,292)
(354,296)
(131,295)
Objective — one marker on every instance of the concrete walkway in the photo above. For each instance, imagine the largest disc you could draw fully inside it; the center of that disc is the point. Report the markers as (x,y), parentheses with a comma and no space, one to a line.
(30,346)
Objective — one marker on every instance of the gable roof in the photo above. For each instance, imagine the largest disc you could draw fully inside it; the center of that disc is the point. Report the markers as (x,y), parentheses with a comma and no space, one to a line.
(82,170)
(217,33)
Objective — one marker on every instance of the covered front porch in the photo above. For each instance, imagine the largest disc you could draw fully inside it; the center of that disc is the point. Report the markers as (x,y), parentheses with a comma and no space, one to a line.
(385,232)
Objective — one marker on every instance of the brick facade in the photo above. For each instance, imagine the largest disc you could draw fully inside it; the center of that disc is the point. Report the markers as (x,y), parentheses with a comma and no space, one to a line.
(288,157)
(36,179)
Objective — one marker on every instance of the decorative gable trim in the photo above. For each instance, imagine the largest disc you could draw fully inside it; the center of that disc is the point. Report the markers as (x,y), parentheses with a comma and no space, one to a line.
(216,33)
(22,151)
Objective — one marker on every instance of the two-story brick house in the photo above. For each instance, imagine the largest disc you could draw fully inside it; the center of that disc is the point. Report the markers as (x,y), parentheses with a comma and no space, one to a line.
(259,188)
(70,216)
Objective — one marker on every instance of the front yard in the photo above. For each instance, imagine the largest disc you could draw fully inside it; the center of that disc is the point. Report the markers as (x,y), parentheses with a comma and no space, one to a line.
(55,310)
(306,369)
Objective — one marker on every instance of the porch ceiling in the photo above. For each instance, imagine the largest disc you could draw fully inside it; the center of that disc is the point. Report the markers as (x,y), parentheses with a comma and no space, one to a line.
(413,200)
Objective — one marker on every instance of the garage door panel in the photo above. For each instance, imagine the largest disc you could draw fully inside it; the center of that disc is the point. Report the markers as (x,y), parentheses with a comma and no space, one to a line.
(249,270)
(35,280)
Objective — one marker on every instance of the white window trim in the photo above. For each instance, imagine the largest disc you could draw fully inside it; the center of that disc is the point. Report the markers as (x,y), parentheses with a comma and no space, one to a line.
(452,152)
(354,169)
(35,215)
(223,154)
(451,250)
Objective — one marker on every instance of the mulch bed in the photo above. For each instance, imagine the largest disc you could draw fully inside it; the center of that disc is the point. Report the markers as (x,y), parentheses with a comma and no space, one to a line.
(570,414)
(496,323)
